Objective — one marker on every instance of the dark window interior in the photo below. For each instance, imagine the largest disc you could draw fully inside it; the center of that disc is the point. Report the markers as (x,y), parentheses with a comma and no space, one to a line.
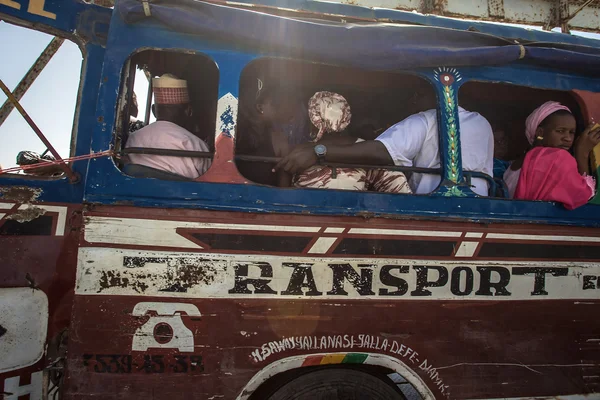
(506,107)
(377,100)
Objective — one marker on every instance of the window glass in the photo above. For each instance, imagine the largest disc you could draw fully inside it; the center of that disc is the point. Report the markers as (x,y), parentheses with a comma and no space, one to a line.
(50,101)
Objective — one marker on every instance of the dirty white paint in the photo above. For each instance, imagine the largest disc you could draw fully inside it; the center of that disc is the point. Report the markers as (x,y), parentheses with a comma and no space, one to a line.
(322,245)
(147,232)
(466,249)
(403,232)
(289,363)
(166,313)
(112,271)
(227,111)
(33,389)
(24,315)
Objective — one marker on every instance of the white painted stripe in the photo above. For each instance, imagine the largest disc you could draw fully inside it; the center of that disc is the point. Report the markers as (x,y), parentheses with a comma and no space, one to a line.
(6,206)
(150,232)
(334,230)
(322,245)
(466,249)
(543,237)
(398,232)
(474,235)
(2,215)
(148,273)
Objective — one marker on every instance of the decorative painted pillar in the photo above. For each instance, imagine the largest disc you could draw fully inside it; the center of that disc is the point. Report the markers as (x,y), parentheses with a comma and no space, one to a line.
(453,182)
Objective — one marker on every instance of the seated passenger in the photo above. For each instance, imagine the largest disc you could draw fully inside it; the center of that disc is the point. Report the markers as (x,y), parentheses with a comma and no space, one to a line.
(548,171)
(172,111)
(330,114)
(412,142)
(275,123)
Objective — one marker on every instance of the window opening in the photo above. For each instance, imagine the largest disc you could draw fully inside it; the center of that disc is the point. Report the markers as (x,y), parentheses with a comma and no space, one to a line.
(516,139)
(275,103)
(166,137)
(53,67)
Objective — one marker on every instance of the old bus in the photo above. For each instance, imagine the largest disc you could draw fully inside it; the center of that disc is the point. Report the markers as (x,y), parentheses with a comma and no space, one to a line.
(117,286)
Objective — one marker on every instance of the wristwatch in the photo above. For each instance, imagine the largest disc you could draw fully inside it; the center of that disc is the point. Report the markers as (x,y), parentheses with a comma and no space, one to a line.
(321,151)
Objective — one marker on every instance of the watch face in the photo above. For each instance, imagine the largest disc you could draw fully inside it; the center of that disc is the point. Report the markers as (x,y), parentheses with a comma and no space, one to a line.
(320,150)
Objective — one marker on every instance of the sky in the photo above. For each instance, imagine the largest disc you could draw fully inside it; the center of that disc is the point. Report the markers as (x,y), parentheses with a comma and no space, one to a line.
(52,98)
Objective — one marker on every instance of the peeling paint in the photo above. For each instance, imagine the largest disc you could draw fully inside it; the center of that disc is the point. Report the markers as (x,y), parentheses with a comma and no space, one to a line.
(179,275)
(28,214)
(20,194)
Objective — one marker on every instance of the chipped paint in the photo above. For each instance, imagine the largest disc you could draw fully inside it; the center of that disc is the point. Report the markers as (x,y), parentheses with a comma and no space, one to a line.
(295,362)
(227,110)
(193,275)
(24,320)
(28,214)
(19,194)
(160,274)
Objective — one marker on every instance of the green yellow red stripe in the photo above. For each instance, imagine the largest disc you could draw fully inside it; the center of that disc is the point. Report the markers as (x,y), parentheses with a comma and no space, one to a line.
(335,358)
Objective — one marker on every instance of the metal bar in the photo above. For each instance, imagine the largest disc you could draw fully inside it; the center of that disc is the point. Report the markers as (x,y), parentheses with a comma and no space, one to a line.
(166,152)
(72,176)
(148,101)
(31,76)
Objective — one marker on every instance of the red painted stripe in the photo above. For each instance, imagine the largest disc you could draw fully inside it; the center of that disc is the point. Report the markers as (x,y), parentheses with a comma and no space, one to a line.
(312,360)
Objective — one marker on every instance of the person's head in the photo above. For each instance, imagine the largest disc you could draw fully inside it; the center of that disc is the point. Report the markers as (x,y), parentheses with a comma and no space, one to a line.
(277,105)
(551,125)
(328,112)
(171,99)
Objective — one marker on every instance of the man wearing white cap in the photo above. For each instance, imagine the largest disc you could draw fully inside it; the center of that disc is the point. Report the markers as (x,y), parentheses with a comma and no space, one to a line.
(172,109)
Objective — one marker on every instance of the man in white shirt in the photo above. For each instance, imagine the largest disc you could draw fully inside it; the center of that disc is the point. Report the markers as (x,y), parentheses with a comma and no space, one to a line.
(171,109)
(411,142)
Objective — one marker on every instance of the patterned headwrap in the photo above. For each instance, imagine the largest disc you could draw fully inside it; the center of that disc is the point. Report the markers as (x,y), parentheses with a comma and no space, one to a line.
(168,89)
(329,112)
(538,115)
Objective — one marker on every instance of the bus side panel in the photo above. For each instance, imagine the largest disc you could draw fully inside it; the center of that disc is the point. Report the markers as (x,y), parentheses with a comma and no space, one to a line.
(476,311)
(38,258)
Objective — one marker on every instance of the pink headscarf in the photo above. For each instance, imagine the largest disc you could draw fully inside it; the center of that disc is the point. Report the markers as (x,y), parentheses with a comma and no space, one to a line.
(538,115)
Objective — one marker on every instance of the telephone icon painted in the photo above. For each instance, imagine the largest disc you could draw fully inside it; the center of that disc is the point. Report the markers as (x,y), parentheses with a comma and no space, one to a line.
(165,330)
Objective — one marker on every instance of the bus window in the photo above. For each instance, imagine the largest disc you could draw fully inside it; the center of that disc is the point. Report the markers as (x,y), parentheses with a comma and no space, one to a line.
(43,74)
(507,107)
(377,101)
(169,107)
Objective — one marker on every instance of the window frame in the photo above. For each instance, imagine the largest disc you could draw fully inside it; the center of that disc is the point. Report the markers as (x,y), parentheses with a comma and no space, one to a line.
(107,185)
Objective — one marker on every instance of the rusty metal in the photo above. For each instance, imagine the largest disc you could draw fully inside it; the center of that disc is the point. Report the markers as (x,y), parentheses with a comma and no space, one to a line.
(496,8)
(68,171)
(31,76)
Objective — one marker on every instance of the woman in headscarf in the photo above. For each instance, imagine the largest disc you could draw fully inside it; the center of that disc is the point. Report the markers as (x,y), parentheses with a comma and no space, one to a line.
(548,171)
(330,115)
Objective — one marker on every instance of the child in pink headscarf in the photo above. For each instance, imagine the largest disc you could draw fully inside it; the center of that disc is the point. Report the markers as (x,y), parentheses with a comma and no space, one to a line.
(548,171)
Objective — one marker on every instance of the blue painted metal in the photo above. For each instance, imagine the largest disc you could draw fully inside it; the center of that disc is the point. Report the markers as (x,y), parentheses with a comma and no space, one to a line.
(58,15)
(391,15)
(107,185)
